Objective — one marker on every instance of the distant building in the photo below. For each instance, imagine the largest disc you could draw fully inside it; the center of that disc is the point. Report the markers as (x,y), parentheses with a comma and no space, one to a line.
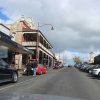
(97,59)
(58,61)
(91,57)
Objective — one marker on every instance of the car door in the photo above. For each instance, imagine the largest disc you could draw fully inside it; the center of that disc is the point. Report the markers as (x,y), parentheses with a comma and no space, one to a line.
(2,73)
(5,73)
(43,69)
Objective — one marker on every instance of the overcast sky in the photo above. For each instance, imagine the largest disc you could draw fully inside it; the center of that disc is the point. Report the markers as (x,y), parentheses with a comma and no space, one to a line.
(76,22)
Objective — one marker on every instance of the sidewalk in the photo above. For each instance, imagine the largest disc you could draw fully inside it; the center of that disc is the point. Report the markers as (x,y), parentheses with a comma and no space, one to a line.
(20,73)
(49,68)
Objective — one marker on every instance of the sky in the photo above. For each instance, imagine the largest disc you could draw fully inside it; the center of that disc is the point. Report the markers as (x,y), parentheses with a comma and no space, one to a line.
(76,22)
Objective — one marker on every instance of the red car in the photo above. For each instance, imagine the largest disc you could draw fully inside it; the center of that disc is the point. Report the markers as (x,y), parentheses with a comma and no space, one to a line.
(39,70)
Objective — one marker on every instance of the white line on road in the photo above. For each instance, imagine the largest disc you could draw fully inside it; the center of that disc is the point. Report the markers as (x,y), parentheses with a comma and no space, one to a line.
(16,84)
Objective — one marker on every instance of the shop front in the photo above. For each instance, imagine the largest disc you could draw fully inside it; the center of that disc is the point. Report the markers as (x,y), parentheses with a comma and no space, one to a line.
(9,49)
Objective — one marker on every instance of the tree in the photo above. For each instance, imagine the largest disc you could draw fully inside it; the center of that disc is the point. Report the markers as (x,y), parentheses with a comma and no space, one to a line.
(77,60)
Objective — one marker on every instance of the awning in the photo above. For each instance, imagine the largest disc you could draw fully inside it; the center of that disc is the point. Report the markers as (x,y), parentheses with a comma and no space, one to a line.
(5,40)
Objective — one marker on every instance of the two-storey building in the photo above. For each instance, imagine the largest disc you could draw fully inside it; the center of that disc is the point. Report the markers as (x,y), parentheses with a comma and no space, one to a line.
(27,35)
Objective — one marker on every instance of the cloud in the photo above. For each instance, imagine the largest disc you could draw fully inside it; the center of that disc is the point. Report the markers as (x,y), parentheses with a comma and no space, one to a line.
(68,56)
(76,22)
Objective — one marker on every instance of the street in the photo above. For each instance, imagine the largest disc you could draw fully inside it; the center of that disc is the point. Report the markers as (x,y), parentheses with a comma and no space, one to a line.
(62,82)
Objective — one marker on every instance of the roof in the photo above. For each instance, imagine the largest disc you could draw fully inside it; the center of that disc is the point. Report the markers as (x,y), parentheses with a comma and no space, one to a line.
(25,23)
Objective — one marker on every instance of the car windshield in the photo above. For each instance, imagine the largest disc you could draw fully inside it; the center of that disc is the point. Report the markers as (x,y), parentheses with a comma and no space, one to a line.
(3,63)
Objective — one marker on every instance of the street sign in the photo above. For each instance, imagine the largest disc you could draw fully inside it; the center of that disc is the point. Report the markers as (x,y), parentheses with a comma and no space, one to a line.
(3,52)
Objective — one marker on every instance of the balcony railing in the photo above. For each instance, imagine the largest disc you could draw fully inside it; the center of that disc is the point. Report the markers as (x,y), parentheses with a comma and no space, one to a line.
(29,43)
(47,50)
(34,44)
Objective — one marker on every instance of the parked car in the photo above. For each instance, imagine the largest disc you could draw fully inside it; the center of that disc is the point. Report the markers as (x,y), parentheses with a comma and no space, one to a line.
(7,73)
(96,72)
(39,70)
(69,66)
(88,68)
(85,67)
(78,66)
(93,67)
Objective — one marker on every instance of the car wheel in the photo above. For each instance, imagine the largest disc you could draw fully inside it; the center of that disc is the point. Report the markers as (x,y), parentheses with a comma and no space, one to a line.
(14,77)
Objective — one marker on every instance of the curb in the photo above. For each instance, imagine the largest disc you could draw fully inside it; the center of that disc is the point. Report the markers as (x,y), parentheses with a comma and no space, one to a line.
(20,73)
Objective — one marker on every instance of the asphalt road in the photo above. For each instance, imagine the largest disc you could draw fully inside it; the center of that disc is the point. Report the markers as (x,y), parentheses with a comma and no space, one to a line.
(68,82)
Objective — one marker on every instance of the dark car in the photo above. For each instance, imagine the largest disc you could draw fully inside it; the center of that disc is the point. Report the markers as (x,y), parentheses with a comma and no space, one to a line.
(7,73)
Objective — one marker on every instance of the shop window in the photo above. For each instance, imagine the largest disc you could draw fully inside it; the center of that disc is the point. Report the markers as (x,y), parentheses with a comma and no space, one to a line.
(34,55)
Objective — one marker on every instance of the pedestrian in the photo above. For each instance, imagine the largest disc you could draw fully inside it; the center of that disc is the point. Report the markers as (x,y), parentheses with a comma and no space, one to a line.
(28,68)
(34,66)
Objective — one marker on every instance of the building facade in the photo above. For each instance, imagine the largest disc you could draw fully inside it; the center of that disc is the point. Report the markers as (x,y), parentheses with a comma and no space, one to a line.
(91,57)
(27,35)
(9,48)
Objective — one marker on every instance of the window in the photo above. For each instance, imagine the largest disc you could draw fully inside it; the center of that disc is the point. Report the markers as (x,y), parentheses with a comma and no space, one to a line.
(3,63)
(29,37)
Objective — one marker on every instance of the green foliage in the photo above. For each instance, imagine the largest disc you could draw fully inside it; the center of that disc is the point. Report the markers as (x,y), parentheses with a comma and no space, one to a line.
(77,60)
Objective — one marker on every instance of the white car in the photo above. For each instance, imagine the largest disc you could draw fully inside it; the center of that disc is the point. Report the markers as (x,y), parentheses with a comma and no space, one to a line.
(96,71)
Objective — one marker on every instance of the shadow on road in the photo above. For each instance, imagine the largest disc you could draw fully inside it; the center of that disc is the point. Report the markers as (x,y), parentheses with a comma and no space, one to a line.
(93,77)
(5,83)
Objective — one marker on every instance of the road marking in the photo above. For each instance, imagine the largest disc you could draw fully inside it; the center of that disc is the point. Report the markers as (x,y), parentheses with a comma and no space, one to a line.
(16,84)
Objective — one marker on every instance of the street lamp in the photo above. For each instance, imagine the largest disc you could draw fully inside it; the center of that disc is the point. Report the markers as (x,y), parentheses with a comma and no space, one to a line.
(52,28)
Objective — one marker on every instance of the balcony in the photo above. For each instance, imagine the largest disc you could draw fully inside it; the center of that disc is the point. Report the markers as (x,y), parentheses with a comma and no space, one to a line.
(47,50)
(29,43)
(34,44)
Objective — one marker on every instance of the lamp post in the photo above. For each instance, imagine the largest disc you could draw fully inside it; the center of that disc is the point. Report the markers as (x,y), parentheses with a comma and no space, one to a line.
(52,28)
(37,35)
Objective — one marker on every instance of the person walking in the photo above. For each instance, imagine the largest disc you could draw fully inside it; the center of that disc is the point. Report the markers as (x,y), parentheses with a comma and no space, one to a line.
(34,66)
(28,68)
